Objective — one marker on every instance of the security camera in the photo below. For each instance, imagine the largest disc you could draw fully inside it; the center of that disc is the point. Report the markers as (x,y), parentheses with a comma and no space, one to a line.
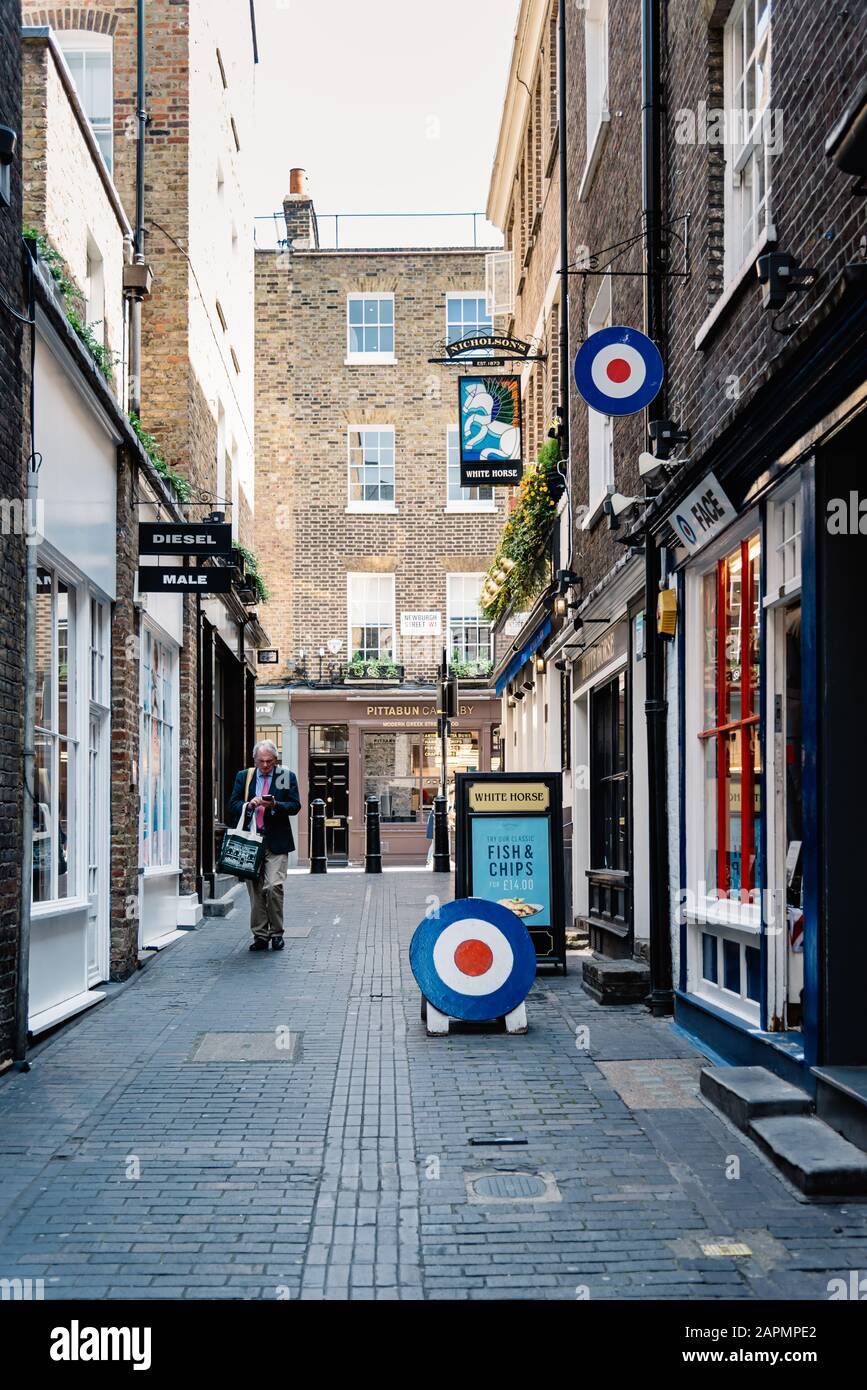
(8,141)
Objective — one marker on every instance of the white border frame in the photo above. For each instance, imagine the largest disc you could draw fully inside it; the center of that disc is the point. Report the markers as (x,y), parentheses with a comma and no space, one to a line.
(370,359)
(736,921)
(395,632)
(374,508)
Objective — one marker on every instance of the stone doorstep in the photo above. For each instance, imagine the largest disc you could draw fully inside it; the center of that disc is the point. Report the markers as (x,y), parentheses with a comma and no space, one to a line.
(616,981)
(221,907)
(841,1101)
(820,1162)
(745,1094)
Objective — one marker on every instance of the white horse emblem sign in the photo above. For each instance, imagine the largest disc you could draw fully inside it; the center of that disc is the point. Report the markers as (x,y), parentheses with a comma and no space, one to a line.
(490,430)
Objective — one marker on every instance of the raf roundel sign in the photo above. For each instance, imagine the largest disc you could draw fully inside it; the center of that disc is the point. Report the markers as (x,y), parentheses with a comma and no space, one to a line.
(474,960)
(618,371)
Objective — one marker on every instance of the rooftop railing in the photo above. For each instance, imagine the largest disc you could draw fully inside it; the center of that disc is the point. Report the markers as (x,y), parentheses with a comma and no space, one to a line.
(351,231)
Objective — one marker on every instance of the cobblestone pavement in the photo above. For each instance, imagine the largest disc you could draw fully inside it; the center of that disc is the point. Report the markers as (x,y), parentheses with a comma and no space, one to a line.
(334,1157)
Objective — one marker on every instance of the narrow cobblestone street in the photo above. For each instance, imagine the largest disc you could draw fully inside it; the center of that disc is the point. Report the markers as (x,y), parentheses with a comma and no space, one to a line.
(244,1126)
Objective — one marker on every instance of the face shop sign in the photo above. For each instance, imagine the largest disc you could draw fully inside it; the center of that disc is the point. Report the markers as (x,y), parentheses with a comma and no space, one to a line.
(702,515)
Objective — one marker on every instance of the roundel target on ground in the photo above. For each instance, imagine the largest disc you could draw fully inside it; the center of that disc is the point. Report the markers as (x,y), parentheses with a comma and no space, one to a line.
(618,370)
(475,960)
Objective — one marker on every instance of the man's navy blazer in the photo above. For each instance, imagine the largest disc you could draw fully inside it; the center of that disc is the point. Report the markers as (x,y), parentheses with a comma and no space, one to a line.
(284,789)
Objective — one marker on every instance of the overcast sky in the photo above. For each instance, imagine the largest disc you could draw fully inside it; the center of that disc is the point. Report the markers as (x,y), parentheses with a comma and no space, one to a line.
(390,106)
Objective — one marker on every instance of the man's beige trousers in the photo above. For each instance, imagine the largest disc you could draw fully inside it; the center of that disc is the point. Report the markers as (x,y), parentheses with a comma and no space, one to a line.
(266,897)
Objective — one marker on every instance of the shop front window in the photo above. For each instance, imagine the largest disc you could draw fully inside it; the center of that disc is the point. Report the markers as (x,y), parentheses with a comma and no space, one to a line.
(609,802)
(56,747)
(157,753)
(405,770)
(274,732)
(392,772)
(726,871)
(730,737)
(329,738)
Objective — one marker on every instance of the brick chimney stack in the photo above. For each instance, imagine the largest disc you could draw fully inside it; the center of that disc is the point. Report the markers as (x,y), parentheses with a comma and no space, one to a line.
(302,231)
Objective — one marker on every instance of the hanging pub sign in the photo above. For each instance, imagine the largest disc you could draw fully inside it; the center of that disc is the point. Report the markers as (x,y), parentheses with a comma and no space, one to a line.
(154,579)
(490,430)
(486,343)
(184,538)
(509,850)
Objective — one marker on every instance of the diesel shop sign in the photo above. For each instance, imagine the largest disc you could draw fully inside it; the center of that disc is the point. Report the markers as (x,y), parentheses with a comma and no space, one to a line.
(702,515)
(205,538)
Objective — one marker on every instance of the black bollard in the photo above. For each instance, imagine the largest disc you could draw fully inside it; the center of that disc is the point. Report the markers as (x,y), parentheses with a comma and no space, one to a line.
(442,859)
(318,857)
(372,852)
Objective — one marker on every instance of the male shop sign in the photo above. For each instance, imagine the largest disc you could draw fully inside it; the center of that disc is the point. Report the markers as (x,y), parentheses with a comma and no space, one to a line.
(510,851)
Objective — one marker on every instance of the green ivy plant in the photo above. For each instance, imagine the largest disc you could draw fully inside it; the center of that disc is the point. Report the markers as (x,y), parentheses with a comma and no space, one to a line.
(180,484)
(72,298)
(524,538)
(251,567)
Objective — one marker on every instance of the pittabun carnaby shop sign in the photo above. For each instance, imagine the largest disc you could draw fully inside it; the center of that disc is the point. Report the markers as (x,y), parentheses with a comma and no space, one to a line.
(422,716)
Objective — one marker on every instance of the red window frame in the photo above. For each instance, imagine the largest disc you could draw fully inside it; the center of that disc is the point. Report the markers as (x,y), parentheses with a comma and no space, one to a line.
(743,726)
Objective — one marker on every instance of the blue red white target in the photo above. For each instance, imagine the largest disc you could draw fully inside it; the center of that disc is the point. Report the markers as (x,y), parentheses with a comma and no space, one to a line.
(475,960)
(618,371)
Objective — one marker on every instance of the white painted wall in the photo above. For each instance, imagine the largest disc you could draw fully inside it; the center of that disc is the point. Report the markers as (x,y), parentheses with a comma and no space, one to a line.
(78,210)
(223,266)
(78,477)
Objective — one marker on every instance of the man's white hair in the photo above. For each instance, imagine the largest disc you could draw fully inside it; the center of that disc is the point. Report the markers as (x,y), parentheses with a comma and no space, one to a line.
(264,743)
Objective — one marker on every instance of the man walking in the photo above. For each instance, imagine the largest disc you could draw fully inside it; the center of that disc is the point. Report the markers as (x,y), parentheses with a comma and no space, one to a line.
(269,793)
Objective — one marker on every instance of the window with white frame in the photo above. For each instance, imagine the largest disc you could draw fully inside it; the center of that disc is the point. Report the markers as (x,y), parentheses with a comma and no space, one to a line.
(371,466)
(55,872)
(600,428)
(784,561)
(724,779)
(482,496)
(370,609)
(89,57)
(369,326)
(466,316)
(750,132)
(158,690)
(596,80)
(469,632)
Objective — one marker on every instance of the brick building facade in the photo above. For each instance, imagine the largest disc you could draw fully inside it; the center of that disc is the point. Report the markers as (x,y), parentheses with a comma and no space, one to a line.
(769,383)
(361,521)
(196,377)
(13,337)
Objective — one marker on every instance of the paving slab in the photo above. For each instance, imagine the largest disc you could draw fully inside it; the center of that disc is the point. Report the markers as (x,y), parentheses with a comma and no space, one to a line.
(131,1166)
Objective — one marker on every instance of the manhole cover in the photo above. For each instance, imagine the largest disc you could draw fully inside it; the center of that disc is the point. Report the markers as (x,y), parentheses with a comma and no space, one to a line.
(277,1046)
(512,1187)
(509,1185)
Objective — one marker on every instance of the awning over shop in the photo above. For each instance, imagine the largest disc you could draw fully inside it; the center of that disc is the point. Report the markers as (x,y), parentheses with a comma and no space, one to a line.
(523,655)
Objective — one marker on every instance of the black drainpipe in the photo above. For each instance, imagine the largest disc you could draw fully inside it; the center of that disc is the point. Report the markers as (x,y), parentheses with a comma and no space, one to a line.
(661,1000)
(564,234)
